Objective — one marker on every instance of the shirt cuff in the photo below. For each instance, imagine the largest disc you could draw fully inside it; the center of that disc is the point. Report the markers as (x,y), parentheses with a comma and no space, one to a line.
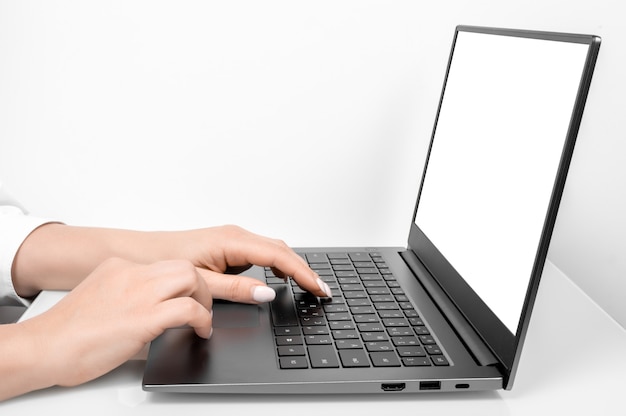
(14,228)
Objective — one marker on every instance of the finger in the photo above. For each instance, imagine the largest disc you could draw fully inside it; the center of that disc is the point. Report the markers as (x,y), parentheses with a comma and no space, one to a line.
(179,278)
(234,288)
(264,251)
(183,311)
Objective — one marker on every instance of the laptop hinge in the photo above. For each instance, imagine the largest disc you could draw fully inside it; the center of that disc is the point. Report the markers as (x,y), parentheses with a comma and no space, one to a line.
(473,342)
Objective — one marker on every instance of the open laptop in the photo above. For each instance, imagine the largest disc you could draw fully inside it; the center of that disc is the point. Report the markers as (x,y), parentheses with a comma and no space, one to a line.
(449,311)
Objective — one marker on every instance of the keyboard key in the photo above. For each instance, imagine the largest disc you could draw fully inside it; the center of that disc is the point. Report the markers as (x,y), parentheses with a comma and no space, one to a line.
(354,358)
(345,260)
(427,339)
(374,336)
(411,313)
(386,306)
(318,339)
(291,350)
(374,283)
(439,360)
(344,344)
(289,340)
(355,294)
(393,313)
(316,311)
(372,318)
(400,331)
(316,258)
(365,277)
(414,351)
(416,361)
(313,320)
(416,321)
(395,322)
(335,325)
(287,330)
(323,356)
(379,346)
(358,302)
(345,334)
(385,359)
(359,310)
(349,288)
(421,330)
(370,327)
(405,341)
(293,362)
(433,349)
(359,256)
(348,281)
(345,273)
(315,330)
(378,290)
(343,267)
(338,316)
(382,298)
(339,307)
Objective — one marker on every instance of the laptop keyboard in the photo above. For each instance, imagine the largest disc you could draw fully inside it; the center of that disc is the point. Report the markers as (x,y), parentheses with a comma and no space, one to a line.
(369,322)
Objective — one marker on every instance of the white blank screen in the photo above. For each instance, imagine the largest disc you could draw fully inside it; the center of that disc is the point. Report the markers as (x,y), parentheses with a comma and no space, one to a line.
(498,142)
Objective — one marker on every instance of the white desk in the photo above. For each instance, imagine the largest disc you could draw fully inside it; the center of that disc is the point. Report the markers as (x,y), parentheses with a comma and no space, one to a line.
(574,363)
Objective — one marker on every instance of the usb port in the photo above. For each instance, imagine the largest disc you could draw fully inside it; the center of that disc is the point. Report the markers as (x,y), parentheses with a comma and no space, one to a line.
(430,385)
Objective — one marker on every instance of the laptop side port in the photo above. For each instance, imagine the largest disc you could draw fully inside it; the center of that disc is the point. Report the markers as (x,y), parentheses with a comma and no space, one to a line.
(430,385)
(393,386)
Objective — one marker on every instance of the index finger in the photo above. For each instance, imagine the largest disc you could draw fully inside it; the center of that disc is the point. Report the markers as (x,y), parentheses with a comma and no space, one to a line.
(268,252)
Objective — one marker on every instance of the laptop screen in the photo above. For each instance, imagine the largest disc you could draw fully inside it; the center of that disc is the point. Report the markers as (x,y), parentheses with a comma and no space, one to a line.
(505,122)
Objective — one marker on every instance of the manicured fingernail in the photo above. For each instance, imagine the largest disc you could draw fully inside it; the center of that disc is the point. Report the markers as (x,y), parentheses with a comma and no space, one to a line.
(263,294)
(324,288)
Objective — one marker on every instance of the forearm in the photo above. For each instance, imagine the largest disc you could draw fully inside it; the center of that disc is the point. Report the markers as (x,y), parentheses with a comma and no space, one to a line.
(58,257)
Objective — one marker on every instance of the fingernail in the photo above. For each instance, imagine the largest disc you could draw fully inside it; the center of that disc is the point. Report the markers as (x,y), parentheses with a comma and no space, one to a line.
(263,294)
(324,288)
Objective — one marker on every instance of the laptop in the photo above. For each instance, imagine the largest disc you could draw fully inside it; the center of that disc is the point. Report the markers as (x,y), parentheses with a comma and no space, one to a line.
(449,311)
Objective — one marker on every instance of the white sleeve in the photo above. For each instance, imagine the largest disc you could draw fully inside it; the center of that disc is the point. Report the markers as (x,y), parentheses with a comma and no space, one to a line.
(15,226)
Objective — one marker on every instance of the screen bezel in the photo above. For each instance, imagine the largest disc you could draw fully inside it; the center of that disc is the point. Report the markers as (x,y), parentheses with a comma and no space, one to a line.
(505,345)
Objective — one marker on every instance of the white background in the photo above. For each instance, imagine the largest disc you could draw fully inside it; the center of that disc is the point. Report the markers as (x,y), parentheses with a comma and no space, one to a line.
(303,121)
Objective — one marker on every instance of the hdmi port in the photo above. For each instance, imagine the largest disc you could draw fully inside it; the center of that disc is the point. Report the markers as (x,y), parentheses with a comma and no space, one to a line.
(393,386)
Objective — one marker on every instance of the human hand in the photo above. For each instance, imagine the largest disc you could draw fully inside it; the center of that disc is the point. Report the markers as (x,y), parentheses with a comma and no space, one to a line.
(58,257)
(219,252)
(110,316)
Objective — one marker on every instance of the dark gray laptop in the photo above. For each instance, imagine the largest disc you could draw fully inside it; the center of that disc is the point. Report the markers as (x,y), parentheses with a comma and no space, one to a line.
(449,311)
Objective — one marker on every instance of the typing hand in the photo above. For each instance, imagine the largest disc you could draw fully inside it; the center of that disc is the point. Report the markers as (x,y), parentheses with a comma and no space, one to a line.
(221,251)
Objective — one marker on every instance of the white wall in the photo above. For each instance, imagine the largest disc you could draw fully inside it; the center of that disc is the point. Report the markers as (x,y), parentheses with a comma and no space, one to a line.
(288,118)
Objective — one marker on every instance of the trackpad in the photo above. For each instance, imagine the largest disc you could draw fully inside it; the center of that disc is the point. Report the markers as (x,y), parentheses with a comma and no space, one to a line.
(235,315)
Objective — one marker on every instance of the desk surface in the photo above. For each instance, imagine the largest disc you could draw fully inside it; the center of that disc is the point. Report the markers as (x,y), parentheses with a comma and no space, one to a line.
(573,363)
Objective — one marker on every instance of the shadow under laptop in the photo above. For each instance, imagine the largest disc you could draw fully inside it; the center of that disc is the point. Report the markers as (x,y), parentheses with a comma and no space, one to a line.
(174,398)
